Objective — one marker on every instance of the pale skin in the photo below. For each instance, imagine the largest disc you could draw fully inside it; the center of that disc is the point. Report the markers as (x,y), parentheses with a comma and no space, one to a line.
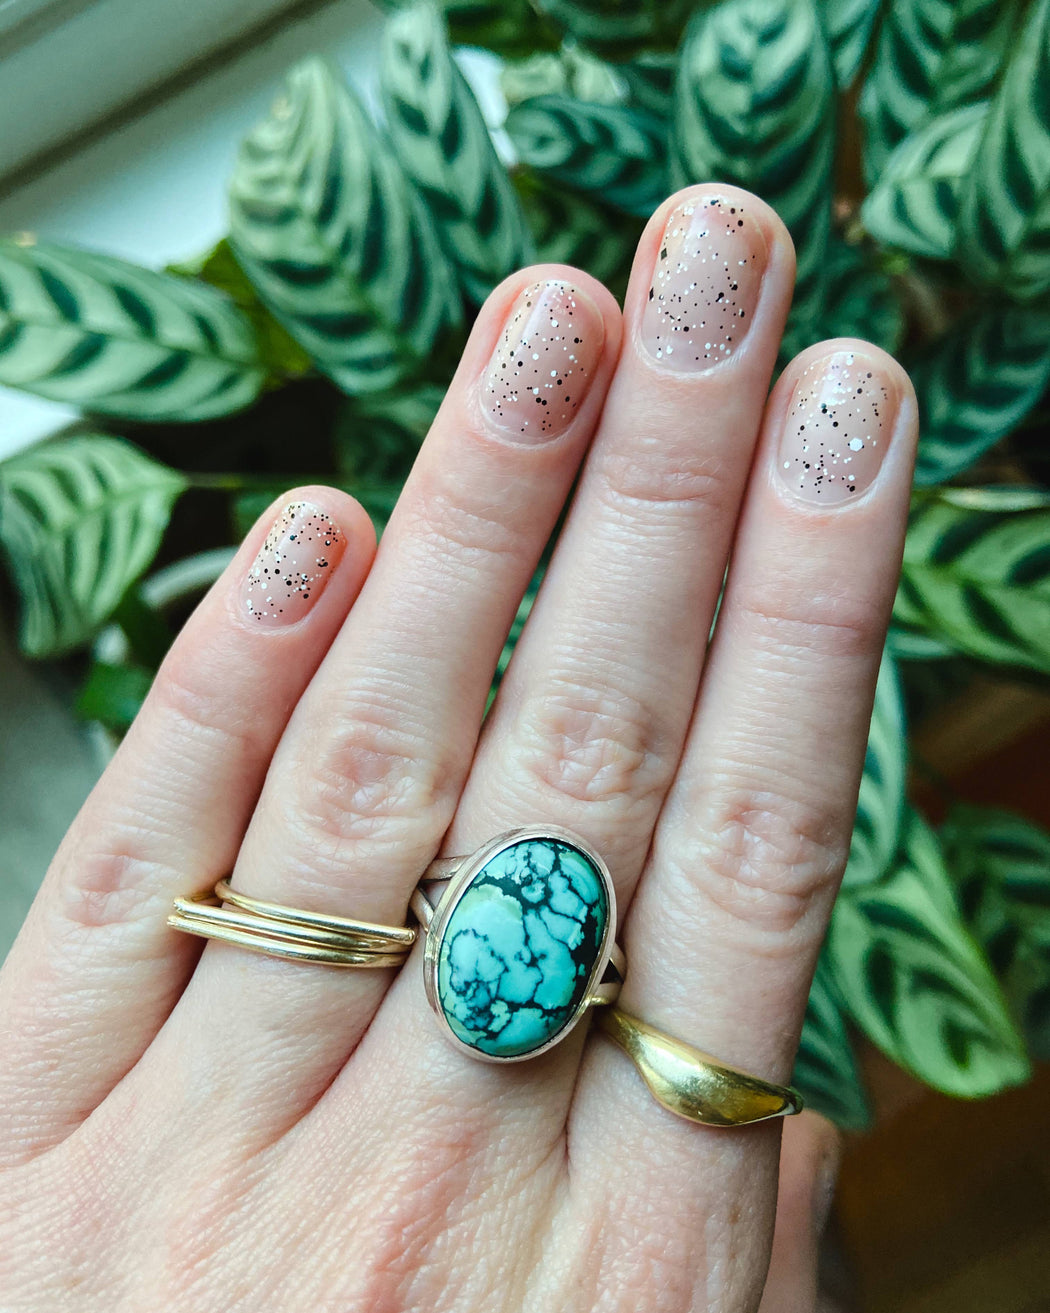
(218,1130)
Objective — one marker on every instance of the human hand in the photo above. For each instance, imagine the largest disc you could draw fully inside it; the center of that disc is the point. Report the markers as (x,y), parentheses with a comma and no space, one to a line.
(187,1130)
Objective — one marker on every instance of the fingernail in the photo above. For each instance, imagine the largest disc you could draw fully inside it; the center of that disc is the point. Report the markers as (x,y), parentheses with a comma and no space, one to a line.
(293,566)
(705,286)
(544,363)
(837,429)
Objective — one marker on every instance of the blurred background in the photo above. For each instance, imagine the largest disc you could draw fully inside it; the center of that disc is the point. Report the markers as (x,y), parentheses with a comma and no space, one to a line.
(190,281)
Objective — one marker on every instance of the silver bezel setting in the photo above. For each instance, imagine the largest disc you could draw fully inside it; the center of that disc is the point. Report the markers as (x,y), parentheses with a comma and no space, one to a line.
(458,885)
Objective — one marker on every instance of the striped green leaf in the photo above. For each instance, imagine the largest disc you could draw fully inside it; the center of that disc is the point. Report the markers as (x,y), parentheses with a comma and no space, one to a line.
(916,982)
(931,56)
(826,1071)
(754,105)
(510,27)
(848,24)
(1001,865)
(80,519)
(977,384)
(615,152)
(976,573)
(880,804)
(1004,218)
(861,301)
(618,27)
(99,333)
(335,240)
(570,71)
(650,81)
(914,204)
(445,148)
(568,229)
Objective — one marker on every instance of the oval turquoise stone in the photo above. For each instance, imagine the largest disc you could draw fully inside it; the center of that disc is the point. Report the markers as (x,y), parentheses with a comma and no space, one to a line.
(521,945)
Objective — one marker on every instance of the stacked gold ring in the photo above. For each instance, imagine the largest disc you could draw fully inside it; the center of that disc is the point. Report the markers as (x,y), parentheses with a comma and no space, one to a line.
(290,932)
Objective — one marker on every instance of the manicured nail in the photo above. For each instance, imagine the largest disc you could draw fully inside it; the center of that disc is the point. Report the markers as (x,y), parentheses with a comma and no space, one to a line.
(293,566)
(837,429)
(544,363)
(705,286)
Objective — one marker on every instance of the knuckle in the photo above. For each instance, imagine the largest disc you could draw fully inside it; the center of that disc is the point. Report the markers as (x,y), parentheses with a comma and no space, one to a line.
(768,861)
(647,479)
(442,521)
(595,746)
(379,779)
(799,624)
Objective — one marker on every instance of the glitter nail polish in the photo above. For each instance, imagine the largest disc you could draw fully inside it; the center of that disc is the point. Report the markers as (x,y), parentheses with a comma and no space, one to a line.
(544,362)
(293,566)
(706,284)
(836,429)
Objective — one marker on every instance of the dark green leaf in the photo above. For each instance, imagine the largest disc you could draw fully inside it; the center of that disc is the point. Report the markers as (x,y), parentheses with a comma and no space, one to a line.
(445,148)
(976,573)
(571,230)
(915,202)
(335,240)
(848,24)
(931,56)
(618,27)
(915,981)
(754,105)
(615,152)
(80,519)
(1004,218)
(880,805)
(113,694)
(99,333)
(862,301)
(977,384)
(826,1071)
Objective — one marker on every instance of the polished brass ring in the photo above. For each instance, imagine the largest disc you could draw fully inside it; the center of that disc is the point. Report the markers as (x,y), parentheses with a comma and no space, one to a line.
(290,932)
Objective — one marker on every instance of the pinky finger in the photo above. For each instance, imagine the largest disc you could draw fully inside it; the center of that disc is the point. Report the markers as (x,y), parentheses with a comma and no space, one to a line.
(96,971)
(809,1159)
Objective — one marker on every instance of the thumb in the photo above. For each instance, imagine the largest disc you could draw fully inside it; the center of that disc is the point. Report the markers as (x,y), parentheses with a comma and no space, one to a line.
(809,1160)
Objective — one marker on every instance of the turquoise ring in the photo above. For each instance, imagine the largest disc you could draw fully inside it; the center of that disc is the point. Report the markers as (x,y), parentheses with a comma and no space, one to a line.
(521,942)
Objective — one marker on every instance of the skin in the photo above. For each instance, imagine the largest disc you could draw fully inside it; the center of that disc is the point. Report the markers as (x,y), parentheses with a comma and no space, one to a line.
(218,1130)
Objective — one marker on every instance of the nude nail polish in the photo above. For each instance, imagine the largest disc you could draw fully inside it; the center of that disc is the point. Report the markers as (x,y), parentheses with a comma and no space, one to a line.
(544,362)
(293,566)
(705,286)
(837,429)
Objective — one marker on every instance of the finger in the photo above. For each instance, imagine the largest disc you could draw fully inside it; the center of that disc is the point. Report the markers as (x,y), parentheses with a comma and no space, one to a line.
(591,715)
(722,937)
(809,1158)
(168,817)
(365,780)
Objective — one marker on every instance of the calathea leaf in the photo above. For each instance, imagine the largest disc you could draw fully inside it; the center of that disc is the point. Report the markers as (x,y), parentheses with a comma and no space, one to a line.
(915,981)
(976,573)
(848,24)
(334,239)
(615,152)
(915,201)
(931,56)
(754,105)
(880,805)
(80,519)
(445,148)
(568,229)
(619,26)
(571,71)
(650,81)
(106,335)
(826,1071)
(861,300)
(510,27)
(1001,865)
(977,384)
(1004,218)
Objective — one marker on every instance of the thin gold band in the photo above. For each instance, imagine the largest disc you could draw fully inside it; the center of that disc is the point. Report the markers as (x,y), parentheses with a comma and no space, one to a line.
(290,932)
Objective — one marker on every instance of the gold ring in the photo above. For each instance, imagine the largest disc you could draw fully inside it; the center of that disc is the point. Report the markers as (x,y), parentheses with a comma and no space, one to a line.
(290,932)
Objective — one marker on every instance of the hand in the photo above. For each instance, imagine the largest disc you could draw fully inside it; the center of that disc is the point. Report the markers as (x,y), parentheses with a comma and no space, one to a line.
(220,1130)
